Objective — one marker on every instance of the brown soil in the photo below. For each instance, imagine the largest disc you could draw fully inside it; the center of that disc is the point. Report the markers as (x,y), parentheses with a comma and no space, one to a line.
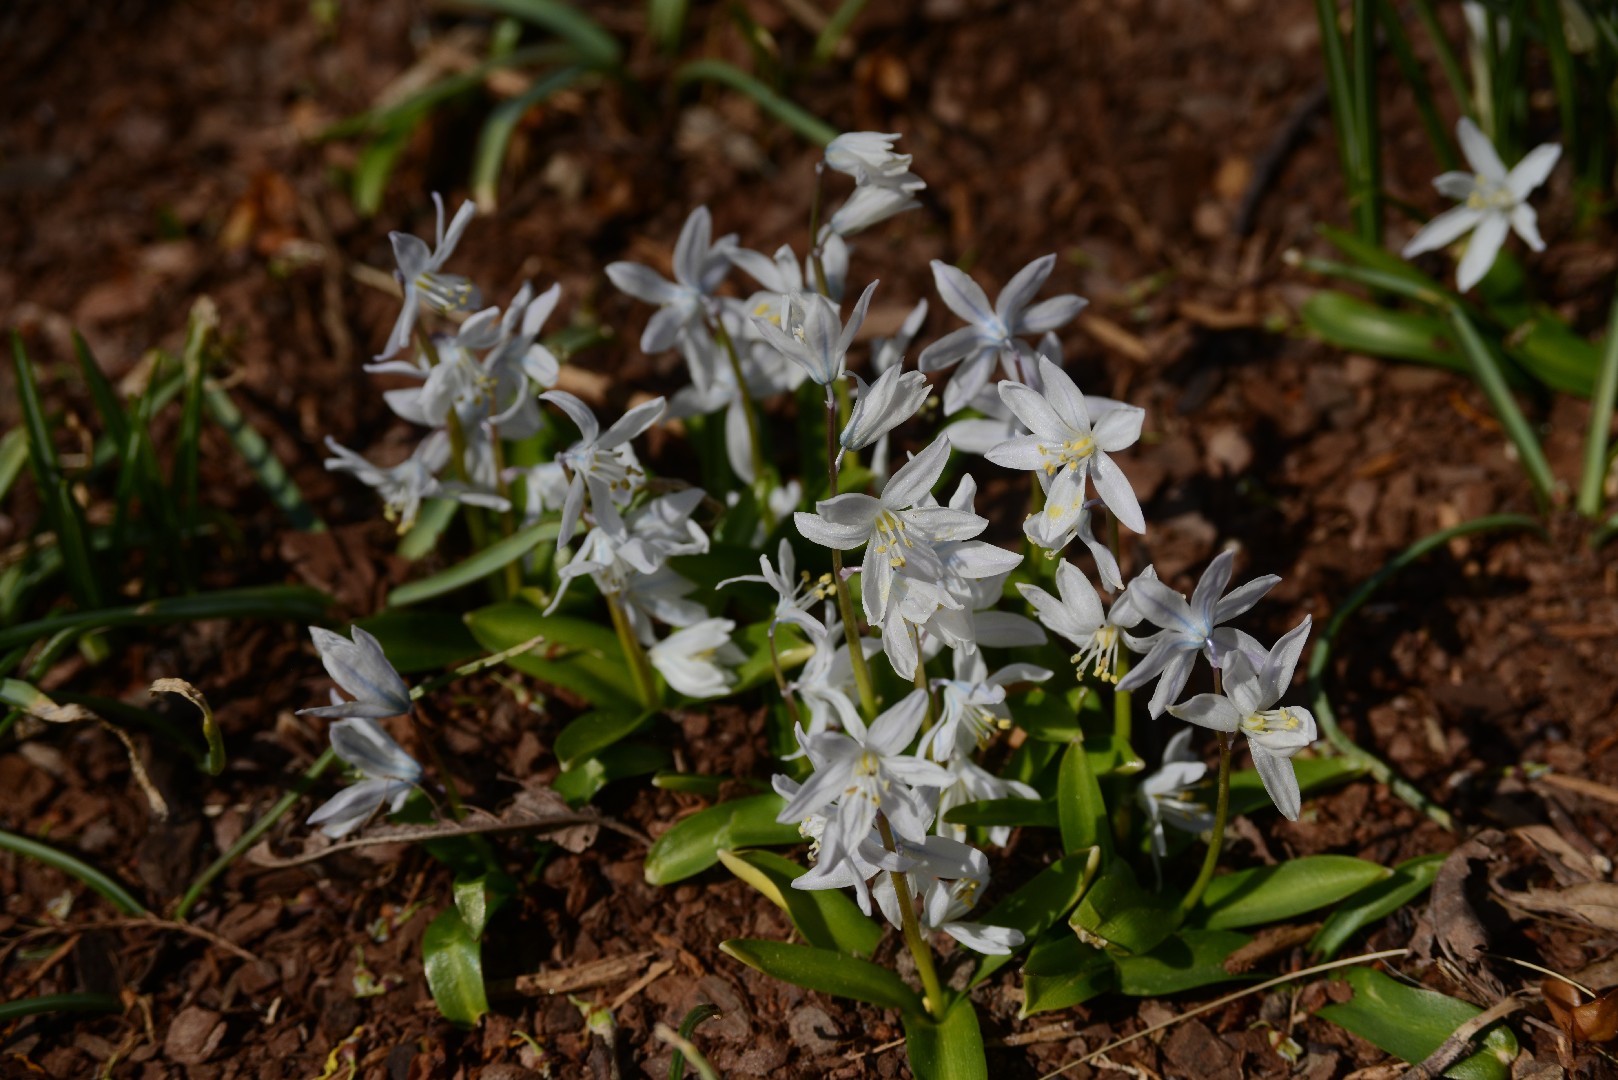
(152,152)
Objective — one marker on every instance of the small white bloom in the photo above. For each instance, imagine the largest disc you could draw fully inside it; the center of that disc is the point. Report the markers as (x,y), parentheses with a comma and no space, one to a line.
(405,485)
(1078,616)
(1274,735)
(601,462)
(1492,202)
(420,275)
(1063,449)
(694,660)
(992,332)
(700,265)
(1188,628)
(881,406)
(390,775)
(826,684)
(1165,795)
(794,594)
(868,157)
(812,334)
(363,671)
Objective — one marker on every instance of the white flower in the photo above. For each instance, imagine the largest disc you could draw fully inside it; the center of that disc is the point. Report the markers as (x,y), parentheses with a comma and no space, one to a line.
(862,774)
(1164,796)
(868,206)
(826,684)
(601,462)
(1078,616)
(691,659)
(814,336)
(979,435)
(629,562)
(1063,449)
(947,875)
(974,706)
(714,388)
(782,275)
(700,265)
(1493,202)
(1188,628)
(881,406)
(405,485)
(363,671)
(1274,735)
(390,775)
(868,157)
(992,331)
(420,276)
(793,594)
(974,783)
(897,529)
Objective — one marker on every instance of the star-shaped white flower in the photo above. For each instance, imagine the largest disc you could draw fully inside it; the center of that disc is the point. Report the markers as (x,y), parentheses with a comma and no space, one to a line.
(1492,202)
(1063,449)
(390,776)
(421,277)
(700,264)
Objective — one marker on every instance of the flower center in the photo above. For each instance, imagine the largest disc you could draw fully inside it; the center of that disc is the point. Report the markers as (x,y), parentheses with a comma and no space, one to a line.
(1271,721)
(1490,195)
(892,538)
(1062,455)
(1102,651)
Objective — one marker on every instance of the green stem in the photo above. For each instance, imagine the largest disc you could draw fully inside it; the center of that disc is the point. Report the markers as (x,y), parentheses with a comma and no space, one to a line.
(1216,840)
(749,415)
(251,836)
(1491,378)
(109,889)
(1321,656)
(919,949)
(1601,406)
(845,599)
(1368,183)
(640,668)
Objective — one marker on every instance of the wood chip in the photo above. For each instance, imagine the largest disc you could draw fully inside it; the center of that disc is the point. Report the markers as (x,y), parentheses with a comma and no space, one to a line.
(1115,337)
(585,976)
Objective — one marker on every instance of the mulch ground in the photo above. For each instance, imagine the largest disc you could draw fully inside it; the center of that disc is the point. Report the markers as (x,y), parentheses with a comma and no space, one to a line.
(155,151)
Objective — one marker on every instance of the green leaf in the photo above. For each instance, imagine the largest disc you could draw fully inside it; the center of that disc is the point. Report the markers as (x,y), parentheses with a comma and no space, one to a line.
(293,603)
(827,971)
(595,47)
(255,451)
(490,156)
(1247,793)
(376,163)
(1012,811)
(1063,971)
(490,560)
(794,116)
(1118,911)
(588,735)
(1376,258)
(1411,1023)
(1185,961)
(578,654)
(13,456)
(421,640)
(1409,880)
(111,410)
(694,844)
(472,901)
(1361,326)
(109,889)
(1040,903)
(826,918)
(59,1003)
(1550,351)
(1081,811)
(1268,894)
(453,961)
(422,539)
(614,763)
(947,1049)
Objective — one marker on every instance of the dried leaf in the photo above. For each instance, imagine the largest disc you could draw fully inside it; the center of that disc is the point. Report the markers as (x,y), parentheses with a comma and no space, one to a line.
(1595,903)
(1584,1021)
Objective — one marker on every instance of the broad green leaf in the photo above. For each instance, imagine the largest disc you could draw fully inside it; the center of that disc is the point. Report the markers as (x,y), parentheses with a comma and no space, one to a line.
(1040,903)
(255,451)
(694,844)
(1377,901)
(1268,894)
(592,44)
(588,735)
(947,1049)
(1411,1023)
(1374,257)
(1247,793)
(433,519)
(490,156)
(491,559)
(453,961)
(1081,811)
(1013,811)
(421,640)
(1118,911)
(472,901)
(1361,326)
(578,654)
(794,116)
(1185,961)
(1063,971)
(614,763)
(13,456)
(691,783)
(1550,351)
(827,971)
(826,918)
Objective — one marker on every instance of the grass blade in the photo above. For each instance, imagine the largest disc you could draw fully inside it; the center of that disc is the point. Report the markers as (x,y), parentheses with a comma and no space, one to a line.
(272,475)
(1416,79)
(794,116)
(188,450)
(491,559)
(114,893)
(60,1003)
(13,456)
(370,179)
(595,47)
(1367,183)
(1487,369)
(101,391)
(1601,405)
(490,156)
(836,29)
(295,603)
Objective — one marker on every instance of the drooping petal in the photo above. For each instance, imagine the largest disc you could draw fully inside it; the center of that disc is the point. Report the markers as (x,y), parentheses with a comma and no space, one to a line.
(350,808)
(1213,711)
(1280,781)
(1170,684)
(577,411)
(969,380)
(363,744)
(950,348)
(1525,223)
(1113,487)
